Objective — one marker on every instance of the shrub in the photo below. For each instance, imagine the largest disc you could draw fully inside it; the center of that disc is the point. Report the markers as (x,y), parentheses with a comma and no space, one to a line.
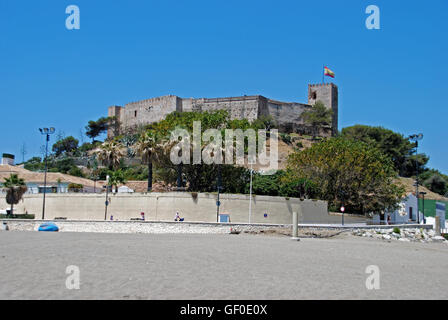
(298,188)
(286,138)
(397,230)
(89,146)
(74,187)
(138,173)
(17,216)
(76,172)
(266,185)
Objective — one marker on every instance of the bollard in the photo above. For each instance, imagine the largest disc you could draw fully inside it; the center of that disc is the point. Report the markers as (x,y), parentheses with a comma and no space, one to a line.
(5,226)
(295,230)
(437,226)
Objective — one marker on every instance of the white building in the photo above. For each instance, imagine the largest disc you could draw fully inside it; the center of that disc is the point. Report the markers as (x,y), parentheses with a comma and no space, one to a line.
(7,159)
(56,182)
(406,213)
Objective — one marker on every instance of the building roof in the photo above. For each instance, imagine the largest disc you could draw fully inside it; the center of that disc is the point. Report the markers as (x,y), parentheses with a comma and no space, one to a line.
(38,177)
(142,186)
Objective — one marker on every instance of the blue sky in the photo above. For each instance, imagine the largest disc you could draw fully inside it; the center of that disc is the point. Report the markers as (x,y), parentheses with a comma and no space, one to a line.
(131,50)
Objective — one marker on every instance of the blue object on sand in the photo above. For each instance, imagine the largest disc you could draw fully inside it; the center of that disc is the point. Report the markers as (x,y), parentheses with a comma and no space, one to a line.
(48,227)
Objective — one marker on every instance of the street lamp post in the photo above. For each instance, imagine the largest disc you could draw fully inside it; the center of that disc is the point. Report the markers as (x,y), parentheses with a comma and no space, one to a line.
(47,132)
(219,182)
(342,194)
(416,138)
(423,196)
(107,198)
(250,193)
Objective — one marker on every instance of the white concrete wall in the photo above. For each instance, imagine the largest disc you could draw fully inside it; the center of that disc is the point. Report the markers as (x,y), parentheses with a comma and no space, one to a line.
(163,206)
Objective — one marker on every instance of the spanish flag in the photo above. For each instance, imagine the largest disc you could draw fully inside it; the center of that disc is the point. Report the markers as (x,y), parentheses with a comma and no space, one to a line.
(328,72)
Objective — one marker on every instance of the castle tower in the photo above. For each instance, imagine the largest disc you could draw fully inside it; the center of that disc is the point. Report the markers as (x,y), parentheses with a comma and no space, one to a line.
(328,94)
(115,111)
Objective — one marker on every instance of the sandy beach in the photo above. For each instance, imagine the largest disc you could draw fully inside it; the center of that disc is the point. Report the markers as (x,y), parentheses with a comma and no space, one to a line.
(217,266)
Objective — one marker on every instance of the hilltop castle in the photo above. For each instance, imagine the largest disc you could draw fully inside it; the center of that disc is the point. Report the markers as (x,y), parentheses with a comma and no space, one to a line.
(288,115)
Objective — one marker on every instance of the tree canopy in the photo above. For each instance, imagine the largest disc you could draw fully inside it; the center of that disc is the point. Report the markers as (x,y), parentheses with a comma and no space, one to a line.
(202,177)
(436,182)
(277,185)
(347,172)
(393,144)
(318,116)
(68,144)
(96,128)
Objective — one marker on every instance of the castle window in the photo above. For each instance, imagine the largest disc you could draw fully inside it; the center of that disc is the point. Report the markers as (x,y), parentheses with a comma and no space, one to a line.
(314,95)
(135,113)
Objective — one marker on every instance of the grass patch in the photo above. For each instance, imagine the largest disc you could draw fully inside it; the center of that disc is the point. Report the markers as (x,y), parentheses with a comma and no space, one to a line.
(17,216)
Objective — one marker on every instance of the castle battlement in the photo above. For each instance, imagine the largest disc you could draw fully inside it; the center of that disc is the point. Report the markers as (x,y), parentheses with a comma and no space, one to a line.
(322,84)
(154,99)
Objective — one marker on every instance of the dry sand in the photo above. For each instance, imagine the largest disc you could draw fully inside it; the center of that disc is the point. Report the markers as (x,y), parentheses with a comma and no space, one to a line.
(213,266)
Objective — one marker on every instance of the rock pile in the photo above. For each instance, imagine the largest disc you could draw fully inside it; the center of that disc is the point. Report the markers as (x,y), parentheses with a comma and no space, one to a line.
(405,235)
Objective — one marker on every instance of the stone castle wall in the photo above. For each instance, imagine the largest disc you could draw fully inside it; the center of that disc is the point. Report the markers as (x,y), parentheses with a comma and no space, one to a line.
(245,107)
(151,110)
(288,115)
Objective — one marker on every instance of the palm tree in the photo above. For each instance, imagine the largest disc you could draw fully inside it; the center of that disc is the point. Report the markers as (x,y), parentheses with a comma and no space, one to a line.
(116,178)
(110,153)
(150,147)
(15,188)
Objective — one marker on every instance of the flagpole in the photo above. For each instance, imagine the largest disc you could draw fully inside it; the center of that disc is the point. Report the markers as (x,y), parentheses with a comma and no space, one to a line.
(323,73)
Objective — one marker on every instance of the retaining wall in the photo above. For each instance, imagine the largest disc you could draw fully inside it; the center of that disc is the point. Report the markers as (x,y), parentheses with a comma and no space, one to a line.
(163,206)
